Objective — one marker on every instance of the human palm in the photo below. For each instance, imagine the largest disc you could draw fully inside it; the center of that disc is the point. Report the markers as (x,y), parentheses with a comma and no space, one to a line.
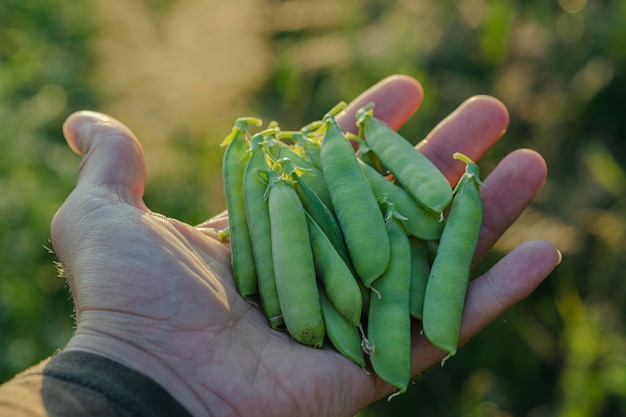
(157,294)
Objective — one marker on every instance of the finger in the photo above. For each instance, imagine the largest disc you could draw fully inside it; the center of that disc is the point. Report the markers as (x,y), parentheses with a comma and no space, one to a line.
(509,281)
(508,190)
(396,98)
(471,129)
(112,156)
(218,222)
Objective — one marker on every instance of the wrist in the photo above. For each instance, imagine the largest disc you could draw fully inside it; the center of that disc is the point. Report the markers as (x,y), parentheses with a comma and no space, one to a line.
(149,364)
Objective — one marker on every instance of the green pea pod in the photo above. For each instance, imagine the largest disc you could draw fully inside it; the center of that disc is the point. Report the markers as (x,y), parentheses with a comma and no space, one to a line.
(364,154)
(447,283)
(313,176)
(342,333)
(340,285)
(389,318)
(311,147)
(417,174)
(327,222)
(258,217)
(294,268)
(420,269)
(420,222)
(355,205)
(309,138)
(322,215)
(233,167)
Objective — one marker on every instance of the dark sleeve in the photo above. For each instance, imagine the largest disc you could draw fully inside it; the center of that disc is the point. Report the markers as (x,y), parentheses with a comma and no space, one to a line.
(83,384)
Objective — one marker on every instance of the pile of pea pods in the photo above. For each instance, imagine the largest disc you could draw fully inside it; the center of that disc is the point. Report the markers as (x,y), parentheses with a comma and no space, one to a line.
(350,239)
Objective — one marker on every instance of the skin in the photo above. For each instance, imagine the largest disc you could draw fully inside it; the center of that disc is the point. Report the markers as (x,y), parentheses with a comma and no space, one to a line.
(157,294)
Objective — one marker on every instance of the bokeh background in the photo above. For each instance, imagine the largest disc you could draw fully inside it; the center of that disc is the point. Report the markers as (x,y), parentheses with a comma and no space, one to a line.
(178,73)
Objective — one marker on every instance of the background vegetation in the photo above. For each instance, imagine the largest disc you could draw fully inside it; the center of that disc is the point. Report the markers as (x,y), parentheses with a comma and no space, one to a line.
(179,72)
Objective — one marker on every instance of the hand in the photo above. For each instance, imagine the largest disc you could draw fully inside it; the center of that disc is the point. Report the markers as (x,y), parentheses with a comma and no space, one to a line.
(157,295)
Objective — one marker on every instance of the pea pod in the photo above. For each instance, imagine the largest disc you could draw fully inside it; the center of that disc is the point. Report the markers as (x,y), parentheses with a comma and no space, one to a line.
(389,319)
(420,223)
(449,275)
(364,154)
(355,205)
(233,167)
(310,146)
(327,222)
(294,268)
(255,184)
(339,283)
(312,175)
(322,215)
(417,174)
(420,269)
(343,334)
(309,138)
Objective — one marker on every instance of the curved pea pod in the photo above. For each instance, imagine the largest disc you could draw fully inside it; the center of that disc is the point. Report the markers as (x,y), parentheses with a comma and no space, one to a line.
(294,268)
(420,269)
(420,222)
(342,333)
(389,319)
(339,283)
(233,166)
(447,283)
(324,218)
(327,222)
(258,217)
(355,206)
(417,174)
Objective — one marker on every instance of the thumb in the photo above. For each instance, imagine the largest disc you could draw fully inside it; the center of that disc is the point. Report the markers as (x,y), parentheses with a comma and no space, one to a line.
(110,185)
(112,156)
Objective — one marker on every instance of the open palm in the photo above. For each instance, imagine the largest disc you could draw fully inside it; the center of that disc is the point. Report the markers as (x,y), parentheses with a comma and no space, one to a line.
(157,294)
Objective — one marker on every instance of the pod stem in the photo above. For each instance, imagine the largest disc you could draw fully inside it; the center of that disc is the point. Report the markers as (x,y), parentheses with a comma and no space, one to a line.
(362,114)
(263,137)
(241,125)
(312,127)
(472,172)
(338,108)
(319,126)
(274,176)
(367,348)
(223,234)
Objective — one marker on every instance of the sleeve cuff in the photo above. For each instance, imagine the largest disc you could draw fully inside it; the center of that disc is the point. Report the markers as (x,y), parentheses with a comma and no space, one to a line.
(84,384)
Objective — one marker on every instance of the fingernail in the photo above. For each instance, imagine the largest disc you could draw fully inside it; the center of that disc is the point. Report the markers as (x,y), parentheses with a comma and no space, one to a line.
(80,124)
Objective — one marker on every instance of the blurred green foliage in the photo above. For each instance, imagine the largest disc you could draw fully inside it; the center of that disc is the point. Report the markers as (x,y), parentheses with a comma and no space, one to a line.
(559,67)
(44,59)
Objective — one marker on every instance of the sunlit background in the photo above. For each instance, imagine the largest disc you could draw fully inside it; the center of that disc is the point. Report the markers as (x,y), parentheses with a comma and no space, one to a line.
(179,72)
